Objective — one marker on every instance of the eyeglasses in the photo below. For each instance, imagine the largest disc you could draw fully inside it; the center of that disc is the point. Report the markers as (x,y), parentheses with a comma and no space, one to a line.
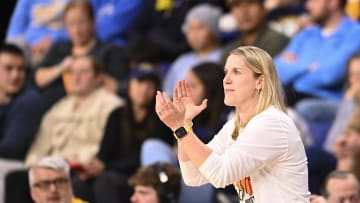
(45,184)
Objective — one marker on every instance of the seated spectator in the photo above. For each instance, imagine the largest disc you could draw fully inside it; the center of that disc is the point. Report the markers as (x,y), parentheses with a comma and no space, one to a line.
(49,181)
(340,186)
(74,126)
(250,16)
(202,34)
(21,109)
(36,25)
(19,104)
(50,75)
(347,146)
(156,183)
(314,63)
(105,177)
(328,112)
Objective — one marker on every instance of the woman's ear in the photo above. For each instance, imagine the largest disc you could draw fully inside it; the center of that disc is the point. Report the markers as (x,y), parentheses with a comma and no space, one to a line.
(260,82)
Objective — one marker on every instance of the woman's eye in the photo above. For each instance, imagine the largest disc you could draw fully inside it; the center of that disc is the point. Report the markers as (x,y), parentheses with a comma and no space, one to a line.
(237,72)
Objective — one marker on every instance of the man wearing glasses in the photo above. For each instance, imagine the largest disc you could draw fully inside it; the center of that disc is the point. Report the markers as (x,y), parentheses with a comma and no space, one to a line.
(50,182)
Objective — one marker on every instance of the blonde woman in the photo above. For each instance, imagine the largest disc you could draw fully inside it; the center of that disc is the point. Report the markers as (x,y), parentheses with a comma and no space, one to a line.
(259,151)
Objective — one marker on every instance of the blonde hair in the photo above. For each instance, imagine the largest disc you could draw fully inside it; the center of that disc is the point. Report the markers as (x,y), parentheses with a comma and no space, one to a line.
(271,94)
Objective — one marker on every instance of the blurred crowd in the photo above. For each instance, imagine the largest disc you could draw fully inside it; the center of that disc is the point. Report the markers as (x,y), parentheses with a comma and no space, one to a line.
(78,80)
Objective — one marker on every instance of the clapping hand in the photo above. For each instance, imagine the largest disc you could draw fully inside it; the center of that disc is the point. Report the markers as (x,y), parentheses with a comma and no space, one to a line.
(181,110)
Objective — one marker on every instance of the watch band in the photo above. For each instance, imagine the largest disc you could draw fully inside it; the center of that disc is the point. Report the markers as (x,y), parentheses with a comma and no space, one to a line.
(181,132)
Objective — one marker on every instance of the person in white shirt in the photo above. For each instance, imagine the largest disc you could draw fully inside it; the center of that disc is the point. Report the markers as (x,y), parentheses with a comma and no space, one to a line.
(259,150)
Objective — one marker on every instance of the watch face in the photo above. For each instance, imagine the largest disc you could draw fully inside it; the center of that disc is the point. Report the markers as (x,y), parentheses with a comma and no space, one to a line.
(180,132)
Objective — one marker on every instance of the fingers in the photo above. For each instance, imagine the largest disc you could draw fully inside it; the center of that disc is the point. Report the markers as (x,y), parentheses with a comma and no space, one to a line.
(183,88)
(179,91)
(203,104)
(163,103)
(166,99)
(159,102)
(175,94)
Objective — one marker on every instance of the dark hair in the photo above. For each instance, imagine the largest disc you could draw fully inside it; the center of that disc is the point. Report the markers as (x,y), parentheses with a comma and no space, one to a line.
(146,71)
(211,75)
(11,49)
(163,177)
(95,63)
(131,135)
(232,3)
(85,5)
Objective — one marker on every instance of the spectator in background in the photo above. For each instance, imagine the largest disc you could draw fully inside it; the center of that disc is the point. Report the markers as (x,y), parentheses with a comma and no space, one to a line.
(340,186)
(347,146)
(157,29)
(21,109)
(348,105)
(113,18)
(250,16)
(286,16)
(36,25)
(50,75)
(20,104)
(313,64)
(156,183)
(328,111)
(203,36)
(74,126)
(105,177)
(49,181)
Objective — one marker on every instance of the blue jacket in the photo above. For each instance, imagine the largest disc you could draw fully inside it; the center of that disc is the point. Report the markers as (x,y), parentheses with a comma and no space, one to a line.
(35,19)
(19,122)
(113,18)
(330,54)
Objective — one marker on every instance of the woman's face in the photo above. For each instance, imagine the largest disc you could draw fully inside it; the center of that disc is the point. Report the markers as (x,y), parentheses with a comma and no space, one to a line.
(141,91)
(144,194)
(197,88)
(352,141)
(354,73)
(198,36)
(239,83)
(79,26)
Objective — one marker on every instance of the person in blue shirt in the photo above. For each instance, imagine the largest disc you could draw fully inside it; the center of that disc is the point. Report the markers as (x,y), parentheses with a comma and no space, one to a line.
(20,105)
(314,63)
(113,18)
(36,25)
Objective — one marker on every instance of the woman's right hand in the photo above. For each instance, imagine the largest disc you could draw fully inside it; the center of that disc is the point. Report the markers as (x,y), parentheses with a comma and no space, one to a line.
(182,95)
(181,110)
